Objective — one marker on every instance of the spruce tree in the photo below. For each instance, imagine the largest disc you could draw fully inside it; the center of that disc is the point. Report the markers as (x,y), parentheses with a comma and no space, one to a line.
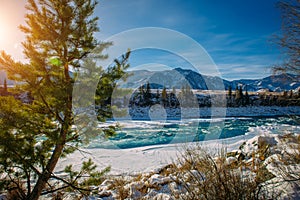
(238,96)
(183,92)
(164,93)
(5,86)
(237,93)
(291,94)
(241,91)
(230,91)
(141,90)
(148,94)
(247,98)
(164,96)
(59,35)
(284,94)
(148,89)
(107,84)
(188,90)
(174,91)
(157,94)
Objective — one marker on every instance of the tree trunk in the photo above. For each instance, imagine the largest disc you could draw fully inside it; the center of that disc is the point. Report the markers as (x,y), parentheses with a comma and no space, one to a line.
(45,176)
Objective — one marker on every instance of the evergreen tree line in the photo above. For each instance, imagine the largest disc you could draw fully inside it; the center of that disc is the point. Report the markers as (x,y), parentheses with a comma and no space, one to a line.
(286,98)
(145,97)
(241,98)
(238,98)
(168,98)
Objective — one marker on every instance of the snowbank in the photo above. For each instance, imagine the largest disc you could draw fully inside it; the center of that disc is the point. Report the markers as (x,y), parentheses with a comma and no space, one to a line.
(142,167)
(144,159)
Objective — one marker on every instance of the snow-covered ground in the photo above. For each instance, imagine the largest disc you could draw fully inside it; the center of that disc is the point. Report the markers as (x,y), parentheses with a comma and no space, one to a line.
(149,162)
(143,159)
(150,158)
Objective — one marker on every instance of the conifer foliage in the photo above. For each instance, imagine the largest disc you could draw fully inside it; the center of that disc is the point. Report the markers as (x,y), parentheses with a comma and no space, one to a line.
(59,35)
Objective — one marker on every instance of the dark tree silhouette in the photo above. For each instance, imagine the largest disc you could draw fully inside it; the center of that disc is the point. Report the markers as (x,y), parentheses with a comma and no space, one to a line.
(289,38)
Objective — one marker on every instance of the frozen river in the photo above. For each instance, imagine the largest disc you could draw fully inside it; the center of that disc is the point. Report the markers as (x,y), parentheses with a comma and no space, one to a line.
(144,133)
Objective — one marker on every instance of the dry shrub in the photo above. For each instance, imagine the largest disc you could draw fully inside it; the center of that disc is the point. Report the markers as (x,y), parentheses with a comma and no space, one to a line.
(15,190)
(205,177)
(118,184)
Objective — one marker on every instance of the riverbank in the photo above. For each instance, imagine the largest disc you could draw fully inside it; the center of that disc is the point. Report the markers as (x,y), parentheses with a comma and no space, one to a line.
(159,112)
(131,161)
(150,173)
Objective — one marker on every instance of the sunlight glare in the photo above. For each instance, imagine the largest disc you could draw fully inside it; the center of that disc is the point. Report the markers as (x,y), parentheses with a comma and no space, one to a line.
(5,35)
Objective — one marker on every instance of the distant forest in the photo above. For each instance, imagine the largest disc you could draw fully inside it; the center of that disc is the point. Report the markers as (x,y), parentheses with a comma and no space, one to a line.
(144,96)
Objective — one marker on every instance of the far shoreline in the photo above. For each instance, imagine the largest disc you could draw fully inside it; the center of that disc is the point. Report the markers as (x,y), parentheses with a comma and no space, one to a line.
(219,112)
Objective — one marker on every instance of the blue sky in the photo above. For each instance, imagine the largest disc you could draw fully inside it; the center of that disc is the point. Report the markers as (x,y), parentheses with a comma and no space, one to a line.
(236,34)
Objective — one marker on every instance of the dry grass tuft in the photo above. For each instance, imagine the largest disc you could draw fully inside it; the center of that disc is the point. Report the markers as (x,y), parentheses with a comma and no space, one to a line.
(205,177)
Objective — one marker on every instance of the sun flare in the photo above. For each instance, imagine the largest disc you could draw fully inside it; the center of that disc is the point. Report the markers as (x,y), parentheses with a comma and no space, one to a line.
(6,31)
(11,16)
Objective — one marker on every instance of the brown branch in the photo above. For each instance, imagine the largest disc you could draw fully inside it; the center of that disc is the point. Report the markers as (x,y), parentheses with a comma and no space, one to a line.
(79,189)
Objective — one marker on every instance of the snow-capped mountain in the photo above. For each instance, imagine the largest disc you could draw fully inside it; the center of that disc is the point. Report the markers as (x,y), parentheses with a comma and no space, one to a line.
(178,78)
(175,78)
(276,83)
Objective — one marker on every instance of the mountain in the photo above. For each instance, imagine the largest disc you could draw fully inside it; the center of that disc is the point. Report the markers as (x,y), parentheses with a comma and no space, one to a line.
(275,83)
(179,78)
(176,78)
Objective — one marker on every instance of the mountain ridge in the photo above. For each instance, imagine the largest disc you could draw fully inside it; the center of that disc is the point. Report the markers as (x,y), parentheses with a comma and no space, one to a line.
(179,77)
